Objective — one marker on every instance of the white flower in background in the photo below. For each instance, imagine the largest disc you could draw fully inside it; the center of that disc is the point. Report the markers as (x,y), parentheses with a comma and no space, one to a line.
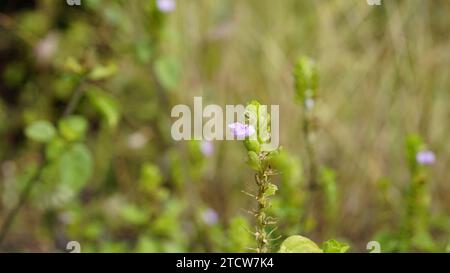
(166,6)
(46,48)
(309,103)
(137,140)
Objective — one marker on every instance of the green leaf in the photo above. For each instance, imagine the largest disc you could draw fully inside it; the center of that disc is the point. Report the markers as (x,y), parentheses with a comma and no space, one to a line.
(103,72)
(253,161)
(73,127)
(72,65)
(55,148)
(106,105)
(75,166)
(146,244)
(168,72)
(13,74)
(150,178)
(306,78)
(424,241)
(133,214)
(41,131)
(258,116)
(288,166)
(271,190)
(252,145)
(327,180)
(414,144)
(144,51)
(238,237)
(166,223)
(333,246)
(299,244)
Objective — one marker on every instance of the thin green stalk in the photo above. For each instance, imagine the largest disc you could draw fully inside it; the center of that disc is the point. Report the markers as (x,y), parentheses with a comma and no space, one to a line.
(25,193)
(310,150)
(6,225)
(306,85)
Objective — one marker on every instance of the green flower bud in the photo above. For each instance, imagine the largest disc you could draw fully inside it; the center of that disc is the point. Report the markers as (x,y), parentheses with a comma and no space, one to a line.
(252,145)
(253,161)
(306,79)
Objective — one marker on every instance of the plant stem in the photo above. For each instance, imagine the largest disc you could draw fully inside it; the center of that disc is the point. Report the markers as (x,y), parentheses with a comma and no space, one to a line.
(307,129)
(262,220)
(75,99)
(6,225)
(312,207)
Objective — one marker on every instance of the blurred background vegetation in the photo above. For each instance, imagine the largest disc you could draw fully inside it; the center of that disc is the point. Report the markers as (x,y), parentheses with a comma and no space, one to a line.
(86,152)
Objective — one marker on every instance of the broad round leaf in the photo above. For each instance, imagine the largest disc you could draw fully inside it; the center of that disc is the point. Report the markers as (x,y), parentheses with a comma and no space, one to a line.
(75,166)
(42,131)
(299,244)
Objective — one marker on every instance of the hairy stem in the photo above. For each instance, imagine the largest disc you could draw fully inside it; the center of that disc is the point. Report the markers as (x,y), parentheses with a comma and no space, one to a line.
(262,220)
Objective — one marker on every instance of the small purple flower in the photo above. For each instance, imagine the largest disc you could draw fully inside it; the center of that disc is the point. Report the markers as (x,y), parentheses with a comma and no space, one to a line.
(425,157)
(241,130)
(166,6)
(207,148)
(210,217)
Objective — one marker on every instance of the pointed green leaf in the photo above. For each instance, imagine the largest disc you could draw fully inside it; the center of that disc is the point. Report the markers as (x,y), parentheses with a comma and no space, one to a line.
(168,72)
(106,105)
(271,190)
(333,246)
